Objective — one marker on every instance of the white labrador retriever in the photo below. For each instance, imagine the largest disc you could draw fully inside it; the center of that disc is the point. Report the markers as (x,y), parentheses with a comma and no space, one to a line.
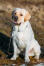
(23,36)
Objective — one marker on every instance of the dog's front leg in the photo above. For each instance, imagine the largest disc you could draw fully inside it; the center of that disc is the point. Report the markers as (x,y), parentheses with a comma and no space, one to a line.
(27,54)
(15,51)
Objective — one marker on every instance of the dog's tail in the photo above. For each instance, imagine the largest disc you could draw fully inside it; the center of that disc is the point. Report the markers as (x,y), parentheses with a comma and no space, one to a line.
(42,52)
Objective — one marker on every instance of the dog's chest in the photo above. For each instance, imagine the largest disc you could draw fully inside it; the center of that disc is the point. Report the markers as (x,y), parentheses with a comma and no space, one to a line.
(19,39)
(20,31)
(20,28)
(19,35)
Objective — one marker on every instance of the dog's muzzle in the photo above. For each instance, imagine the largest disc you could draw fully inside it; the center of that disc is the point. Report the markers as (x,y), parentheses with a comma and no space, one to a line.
(15,18)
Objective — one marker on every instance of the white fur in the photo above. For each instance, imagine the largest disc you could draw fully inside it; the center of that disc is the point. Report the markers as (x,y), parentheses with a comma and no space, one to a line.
(24,37)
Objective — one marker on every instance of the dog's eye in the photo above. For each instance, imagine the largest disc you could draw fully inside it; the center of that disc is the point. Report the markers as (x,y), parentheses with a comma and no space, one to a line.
(15,13)
(21,14)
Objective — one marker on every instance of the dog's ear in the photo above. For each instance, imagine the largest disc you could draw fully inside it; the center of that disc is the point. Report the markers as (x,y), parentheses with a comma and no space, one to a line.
(27,17)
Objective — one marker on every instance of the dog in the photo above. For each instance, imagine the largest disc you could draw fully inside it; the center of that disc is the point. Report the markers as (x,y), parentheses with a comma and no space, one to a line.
(23,35)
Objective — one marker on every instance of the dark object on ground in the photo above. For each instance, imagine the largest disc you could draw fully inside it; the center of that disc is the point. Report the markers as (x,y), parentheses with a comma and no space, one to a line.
(22,54)
(4,45)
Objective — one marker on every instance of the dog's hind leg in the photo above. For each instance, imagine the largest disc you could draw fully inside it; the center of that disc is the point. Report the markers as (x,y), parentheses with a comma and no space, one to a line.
(36,49)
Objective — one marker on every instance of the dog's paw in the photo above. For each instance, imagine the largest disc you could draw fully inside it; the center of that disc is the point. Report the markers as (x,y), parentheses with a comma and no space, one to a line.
(14,58)
(37,57)
(27,60)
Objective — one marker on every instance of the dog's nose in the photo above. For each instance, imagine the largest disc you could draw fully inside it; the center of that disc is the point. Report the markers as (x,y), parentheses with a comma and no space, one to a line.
(15,18)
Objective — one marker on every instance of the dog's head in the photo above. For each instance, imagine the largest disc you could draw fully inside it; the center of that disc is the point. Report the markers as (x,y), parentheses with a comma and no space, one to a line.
(20,15)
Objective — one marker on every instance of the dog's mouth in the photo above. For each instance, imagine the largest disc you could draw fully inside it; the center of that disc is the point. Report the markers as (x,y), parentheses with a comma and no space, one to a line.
(16,23)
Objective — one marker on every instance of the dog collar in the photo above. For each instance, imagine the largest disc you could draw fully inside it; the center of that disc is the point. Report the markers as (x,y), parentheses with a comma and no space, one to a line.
(17,24)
